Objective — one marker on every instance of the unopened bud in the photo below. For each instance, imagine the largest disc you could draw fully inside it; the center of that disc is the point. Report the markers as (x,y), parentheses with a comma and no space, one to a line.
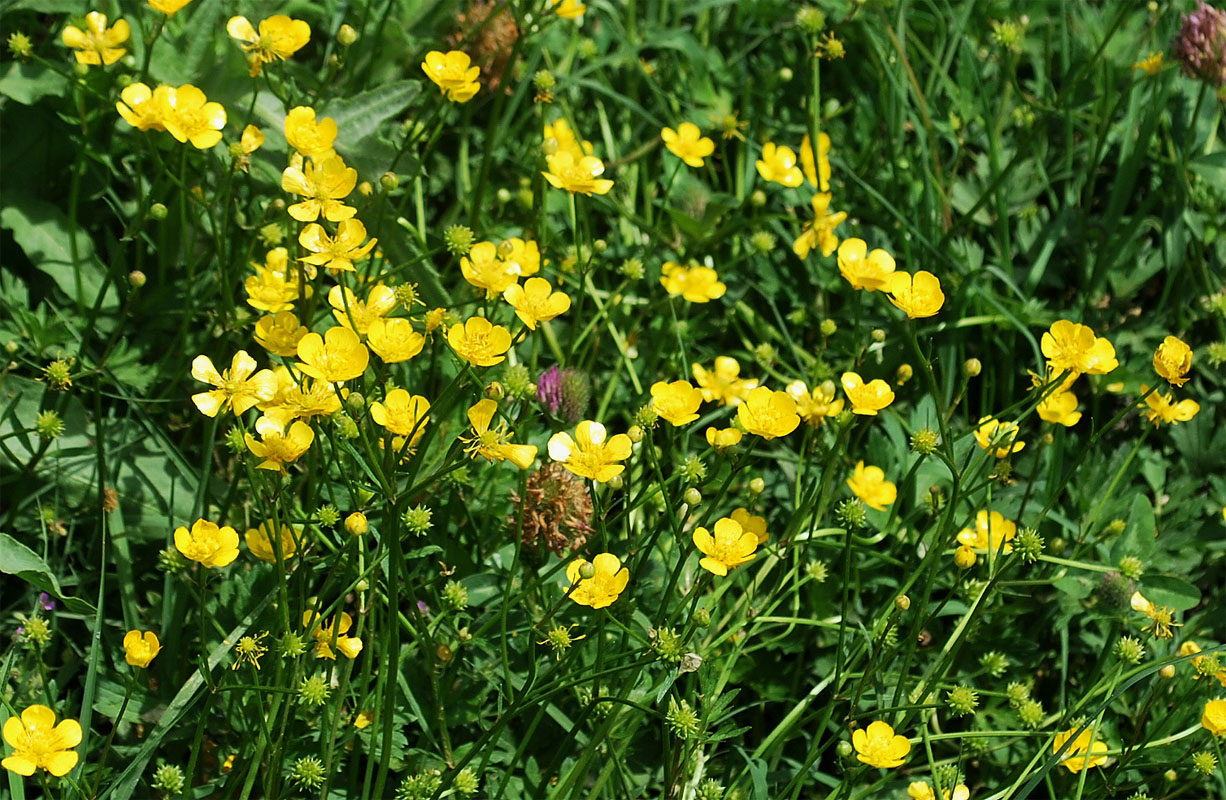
(157,211)
(137,278)
(616,482)
(389,180)
(972,367)
(757,486)
(346,35)
(785,74)
(692,496)
(878,335)
(965,557)
(902,602)
(587,570)
(356,523)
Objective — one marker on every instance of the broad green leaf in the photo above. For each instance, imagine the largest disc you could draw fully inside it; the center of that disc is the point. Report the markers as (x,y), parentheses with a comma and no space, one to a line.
(27,82)
(43,232)
(1165,590)
(17,559)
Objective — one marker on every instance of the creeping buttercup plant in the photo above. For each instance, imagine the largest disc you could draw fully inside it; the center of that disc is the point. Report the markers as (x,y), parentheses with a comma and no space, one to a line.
(544,399)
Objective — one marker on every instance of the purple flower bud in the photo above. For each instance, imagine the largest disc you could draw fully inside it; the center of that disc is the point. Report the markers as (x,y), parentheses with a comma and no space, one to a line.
(45,600)
(565,392)
(1201,44)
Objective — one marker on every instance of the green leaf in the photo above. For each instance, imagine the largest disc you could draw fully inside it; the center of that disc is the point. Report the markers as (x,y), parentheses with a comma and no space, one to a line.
(1164,590)
(17,559)
(27,83)
(43,232)
(422,552)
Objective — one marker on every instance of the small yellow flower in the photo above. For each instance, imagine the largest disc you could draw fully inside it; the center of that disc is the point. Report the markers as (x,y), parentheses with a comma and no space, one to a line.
(277,445)
(39,743)
(336,253)
(722,383)
(723,439)
(608,579)
(324,184)
(402,414)
(364,719)
(920,790)
(491,443)
(820,232)
(237,388)
(576,175)
(260,542)
(591,453)
(568,9)
(990,532)
(687,143)
(866,399)
(168,7)
(280,333)
(252,139)
(520,258)
(869,484)
(1060,407)
(275,286)
(485,270)
(356,315)
(190,117)
(696,284)
(207,543)
(729,547)
(279,38)
(752,523)
(879,746)
(309,136)
(1163,408)
(566,140)
(140,648)
(536,302)
(453,74)
(394,340)
(1161,618)
(964,557)
(818,174)
(816,406)
(676,402)
(1000,438)
(249,650)
(479,342)
(862,269)
(143,108)
(1172,360)
(1151,64)
(335,357)
(332,635)
(1073,348)
(97,44)
(778,165)
(356,524)
(918,295)
(768,413)
(1213,719)
(313,398)
(1075,758)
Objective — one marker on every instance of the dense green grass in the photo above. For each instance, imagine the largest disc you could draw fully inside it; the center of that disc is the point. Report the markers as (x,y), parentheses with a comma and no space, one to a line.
(1025,161)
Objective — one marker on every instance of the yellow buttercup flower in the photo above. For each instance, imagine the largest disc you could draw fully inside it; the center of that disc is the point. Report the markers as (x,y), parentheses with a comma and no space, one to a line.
(485,270)
(333,634)
(143,108)
(866,399)
(1151,64)
(309,136)
(536,301)
(676,402)
(778,165)
(260,542)
(591,453)
(1172,360)
(1073,348)
(696,284)
(337,253)
(275,286)
(991,531)
(879,746)
(39,743)
(576,175)
(403,414)
(491,443)
(1213,718)
(394,340)
(751,523)
(190,117)
(479,342)
(280,333)
(816,406)
(324,184)
(207,543)
(1075,758)
(768,413)
(252,139)
(723,439)
(168,7)
(313,398)
(818,174)
(606,580)
(453,73)
(237,388)
(862,269)
(520,258)
(687,143)
(820,232)
(279,38)
(1161,618)
(139,649)
(918,295)
(1059,407)
(869,484)
(1162,408)
(920,790)
(998,437)
(279,445)
(97,44)
(727,548)
(356,314)
(568,9)
(335,357)
(722,383)
(564,137)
